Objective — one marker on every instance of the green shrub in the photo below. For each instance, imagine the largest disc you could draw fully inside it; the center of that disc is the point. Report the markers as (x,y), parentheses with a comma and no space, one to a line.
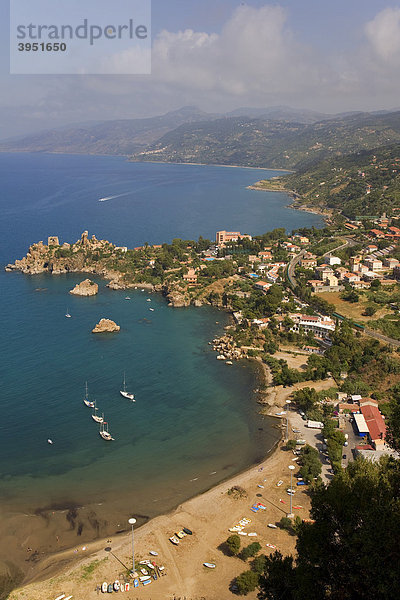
(250,550)
(233,543)
(247,582)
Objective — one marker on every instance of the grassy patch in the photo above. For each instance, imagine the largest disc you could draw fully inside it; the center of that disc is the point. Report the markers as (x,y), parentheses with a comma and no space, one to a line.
(88,570)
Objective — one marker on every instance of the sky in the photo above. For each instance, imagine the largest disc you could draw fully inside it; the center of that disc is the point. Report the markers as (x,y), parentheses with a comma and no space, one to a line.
(220,55)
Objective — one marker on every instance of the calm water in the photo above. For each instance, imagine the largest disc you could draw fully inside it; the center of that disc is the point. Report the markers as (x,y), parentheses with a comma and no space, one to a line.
(192,413)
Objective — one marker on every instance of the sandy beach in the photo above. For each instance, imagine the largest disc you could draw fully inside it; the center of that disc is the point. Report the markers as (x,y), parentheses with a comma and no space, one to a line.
(79,571)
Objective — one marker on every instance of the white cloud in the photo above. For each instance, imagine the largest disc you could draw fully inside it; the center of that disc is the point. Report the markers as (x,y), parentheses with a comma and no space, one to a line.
(254,53)
(256,60)
(383,34)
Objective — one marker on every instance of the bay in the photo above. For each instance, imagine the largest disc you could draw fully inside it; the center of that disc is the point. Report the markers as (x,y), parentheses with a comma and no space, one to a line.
(191,414)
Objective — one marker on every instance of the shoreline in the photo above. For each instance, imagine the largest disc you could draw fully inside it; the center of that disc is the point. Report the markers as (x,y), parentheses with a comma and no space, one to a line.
(198,512)
(326,213)
(55,564)
(159,162)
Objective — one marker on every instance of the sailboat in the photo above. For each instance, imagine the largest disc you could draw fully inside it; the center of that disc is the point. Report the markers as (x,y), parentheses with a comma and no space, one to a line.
(104,432)
(126,394)
(86,400)
(94,415)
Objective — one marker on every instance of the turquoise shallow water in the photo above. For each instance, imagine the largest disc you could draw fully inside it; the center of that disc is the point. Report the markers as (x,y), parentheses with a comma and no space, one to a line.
(195,420)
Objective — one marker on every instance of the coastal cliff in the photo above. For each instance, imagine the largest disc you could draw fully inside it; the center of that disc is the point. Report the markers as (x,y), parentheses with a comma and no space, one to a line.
(175,270)
(85,288)
(87,255)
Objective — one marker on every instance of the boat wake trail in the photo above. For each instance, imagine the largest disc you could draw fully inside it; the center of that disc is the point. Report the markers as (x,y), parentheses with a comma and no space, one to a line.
(112,197)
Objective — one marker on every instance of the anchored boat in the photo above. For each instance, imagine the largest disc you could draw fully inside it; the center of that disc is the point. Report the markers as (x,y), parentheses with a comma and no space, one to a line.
(86,398)
(126,394)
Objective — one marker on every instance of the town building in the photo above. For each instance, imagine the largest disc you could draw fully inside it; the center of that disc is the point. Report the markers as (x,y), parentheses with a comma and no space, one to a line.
(190,276)
(334,260)
(223,237)
(319,326)
(308,261)
(373,263)
(262,285)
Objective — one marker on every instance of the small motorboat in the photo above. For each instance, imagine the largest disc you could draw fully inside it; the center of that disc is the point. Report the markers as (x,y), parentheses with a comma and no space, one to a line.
(209,565)
(127,297)
(272,526)
(60,597)
(148,300)
(116,585)
(68,315)
(153,553)
(280,482)
(174,540)
(144,578)
(152,309)
(144,572)
(104,587)
(187,531)
(49,441)
(180,534)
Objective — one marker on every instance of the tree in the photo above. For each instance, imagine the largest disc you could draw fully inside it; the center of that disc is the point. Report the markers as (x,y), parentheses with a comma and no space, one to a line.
(233,544)
(250,550)
(285,523)
(279,579)
(370,310)
(306,398)
(259,563)
(351,549)
(247,582)
(291,444)
(393,421)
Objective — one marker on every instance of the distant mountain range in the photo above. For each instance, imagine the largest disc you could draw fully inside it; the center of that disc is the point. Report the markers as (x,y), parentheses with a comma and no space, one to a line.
(268,143)
(276,137)
(125,136)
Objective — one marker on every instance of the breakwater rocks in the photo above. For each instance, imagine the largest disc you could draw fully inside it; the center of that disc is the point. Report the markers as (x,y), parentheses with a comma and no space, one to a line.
(106,326)
(85,288)
(226,348)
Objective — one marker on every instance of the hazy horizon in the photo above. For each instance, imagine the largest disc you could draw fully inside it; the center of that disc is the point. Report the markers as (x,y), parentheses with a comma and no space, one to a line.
(221,55)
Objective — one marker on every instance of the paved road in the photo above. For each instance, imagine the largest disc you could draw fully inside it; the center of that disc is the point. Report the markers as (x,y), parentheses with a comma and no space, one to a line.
(381,337)
(295,260)
(314,438)
(291,267)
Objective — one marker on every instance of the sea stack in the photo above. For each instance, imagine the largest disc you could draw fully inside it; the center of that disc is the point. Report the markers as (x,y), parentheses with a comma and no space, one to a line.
(106,326)
(85,288)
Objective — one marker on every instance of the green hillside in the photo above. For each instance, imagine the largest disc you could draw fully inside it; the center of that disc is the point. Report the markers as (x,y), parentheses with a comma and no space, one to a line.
(364,183)
(275,144)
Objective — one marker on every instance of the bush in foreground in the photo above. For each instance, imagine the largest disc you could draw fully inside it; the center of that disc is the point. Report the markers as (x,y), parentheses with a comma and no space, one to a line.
(233,544)
(247,582)
(250,550)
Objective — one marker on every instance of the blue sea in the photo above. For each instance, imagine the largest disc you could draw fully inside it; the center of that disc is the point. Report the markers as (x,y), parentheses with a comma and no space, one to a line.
(195,419)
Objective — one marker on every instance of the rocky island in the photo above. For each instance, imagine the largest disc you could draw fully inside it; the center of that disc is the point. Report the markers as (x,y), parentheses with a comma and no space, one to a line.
(85,288)
(106,326)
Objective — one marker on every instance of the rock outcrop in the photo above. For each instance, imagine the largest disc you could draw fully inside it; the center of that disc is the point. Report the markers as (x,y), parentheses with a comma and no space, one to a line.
(85,288)
(106,326)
